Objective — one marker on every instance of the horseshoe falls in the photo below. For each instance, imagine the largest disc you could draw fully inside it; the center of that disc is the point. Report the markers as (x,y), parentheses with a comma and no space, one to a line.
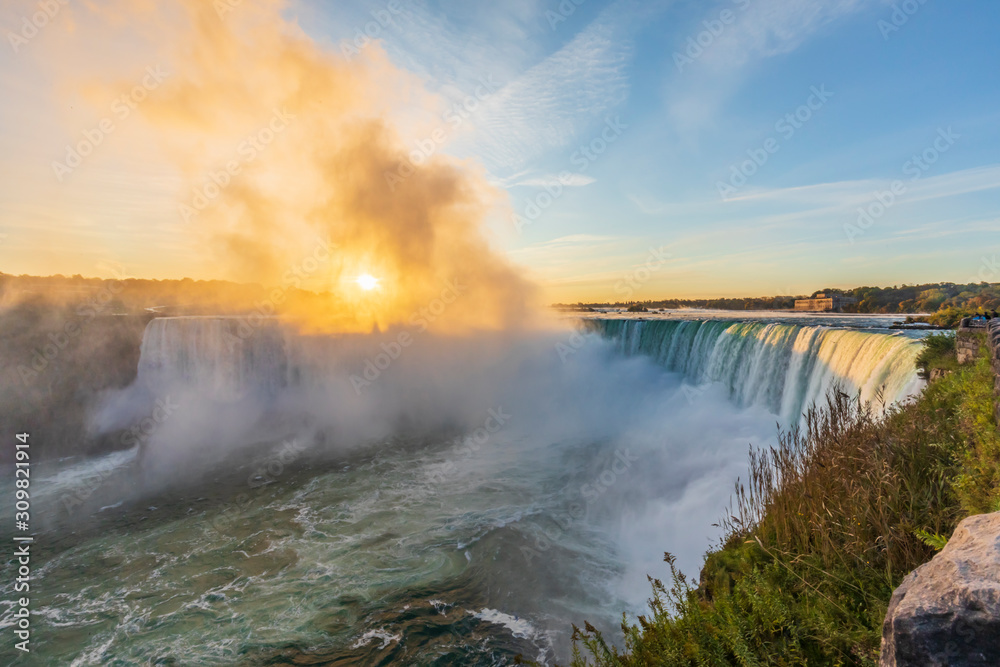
(782,367)
(335,500)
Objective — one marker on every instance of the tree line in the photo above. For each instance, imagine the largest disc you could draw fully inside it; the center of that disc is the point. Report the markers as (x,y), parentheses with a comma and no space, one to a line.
(901,299)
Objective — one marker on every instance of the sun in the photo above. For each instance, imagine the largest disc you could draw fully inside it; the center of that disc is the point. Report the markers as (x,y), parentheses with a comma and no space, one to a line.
(367,282)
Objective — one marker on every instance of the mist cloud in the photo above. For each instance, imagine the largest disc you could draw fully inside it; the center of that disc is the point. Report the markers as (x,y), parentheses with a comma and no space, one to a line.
(282,144)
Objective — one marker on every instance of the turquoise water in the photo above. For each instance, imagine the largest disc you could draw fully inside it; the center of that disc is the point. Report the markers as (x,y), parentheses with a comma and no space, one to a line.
(426,541)
(783,367)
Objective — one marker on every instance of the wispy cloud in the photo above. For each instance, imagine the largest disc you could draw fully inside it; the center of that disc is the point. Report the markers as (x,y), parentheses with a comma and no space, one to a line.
(766,28)
(566,180)
(551,103)
(770,28)
(546,98)
(575,240)
(857,192)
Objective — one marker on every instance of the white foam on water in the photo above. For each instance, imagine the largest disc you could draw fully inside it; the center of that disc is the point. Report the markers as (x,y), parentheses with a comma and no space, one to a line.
(440,607)
(519,627)
(381,634)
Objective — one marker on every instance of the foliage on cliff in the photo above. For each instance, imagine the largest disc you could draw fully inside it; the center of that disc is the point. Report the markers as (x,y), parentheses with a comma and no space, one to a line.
(952,300)
(950,316)
(56,360)
(929,298)
(938,353)
(822,533)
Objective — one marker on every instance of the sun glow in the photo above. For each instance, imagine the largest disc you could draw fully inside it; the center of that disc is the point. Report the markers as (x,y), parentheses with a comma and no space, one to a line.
(367,282)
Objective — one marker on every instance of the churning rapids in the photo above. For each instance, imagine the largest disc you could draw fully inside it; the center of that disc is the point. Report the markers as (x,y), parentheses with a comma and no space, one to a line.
(411,499)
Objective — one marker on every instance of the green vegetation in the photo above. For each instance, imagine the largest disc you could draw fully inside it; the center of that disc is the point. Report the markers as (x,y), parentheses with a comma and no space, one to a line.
(830,522)
(134,296)
(949,302)
(950,317)
(938,352)
(929,298)
(56,361)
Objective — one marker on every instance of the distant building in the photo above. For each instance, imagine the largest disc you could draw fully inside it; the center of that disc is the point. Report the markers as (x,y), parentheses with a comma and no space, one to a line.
(821,303)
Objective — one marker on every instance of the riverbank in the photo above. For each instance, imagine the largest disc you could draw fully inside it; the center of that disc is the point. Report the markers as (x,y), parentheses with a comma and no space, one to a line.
(806,569)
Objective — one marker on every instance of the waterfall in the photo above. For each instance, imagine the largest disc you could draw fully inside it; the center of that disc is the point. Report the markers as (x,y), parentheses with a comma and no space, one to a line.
(782,367)
(224,356)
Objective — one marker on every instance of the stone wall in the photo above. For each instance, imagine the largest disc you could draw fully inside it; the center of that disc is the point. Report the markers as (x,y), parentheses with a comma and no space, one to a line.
(967,341)
(993,345)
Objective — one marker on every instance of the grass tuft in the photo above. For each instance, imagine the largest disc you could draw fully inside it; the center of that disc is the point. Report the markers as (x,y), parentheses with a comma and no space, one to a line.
(827,525)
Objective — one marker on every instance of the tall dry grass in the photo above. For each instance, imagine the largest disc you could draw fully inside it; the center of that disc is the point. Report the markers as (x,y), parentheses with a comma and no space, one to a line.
(825,527)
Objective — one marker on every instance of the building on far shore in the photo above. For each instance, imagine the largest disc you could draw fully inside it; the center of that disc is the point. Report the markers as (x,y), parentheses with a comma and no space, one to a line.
(821,303)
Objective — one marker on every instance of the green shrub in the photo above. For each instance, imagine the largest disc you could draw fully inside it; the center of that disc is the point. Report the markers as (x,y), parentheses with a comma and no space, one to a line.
(950,316)
(938,352)
(827,525)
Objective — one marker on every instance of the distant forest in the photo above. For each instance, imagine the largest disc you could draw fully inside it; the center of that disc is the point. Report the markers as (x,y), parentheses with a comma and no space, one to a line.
(903,299)
(126,296)
(130,295)
(66,340)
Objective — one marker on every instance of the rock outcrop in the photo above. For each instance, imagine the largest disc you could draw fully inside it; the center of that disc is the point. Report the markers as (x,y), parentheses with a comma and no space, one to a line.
(946,613)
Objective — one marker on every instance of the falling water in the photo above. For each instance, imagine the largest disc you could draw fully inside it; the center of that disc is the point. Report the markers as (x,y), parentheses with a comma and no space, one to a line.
(783,367)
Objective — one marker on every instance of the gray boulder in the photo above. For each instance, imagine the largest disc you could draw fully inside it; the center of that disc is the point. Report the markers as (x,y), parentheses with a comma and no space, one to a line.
(947,611)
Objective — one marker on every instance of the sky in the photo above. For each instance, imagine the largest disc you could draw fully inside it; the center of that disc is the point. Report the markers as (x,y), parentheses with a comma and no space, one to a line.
(642,150)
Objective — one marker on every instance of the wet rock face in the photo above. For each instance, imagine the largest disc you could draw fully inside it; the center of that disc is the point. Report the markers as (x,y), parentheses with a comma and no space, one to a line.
(947,611)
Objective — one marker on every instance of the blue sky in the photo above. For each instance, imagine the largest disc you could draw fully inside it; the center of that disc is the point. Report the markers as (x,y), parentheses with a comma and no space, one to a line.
(895,78)
(637,163)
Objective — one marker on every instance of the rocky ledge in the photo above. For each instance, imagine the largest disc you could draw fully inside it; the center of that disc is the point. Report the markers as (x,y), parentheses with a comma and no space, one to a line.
(947,611)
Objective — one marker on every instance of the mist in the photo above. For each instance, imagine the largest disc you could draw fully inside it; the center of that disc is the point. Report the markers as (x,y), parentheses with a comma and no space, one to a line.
(633,452)
(293,165)
(294,170)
